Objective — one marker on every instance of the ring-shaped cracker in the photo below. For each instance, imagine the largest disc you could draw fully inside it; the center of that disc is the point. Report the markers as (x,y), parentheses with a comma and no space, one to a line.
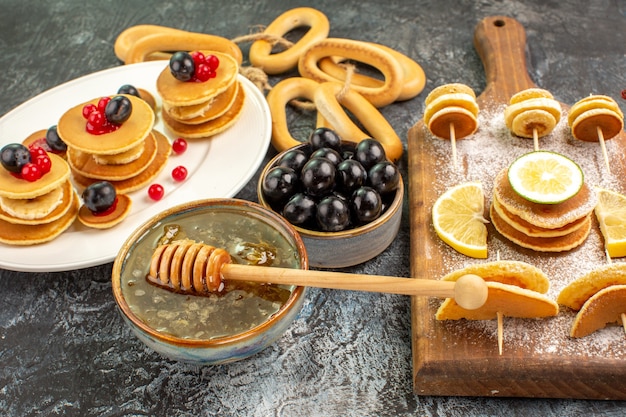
(330,106)
(278,98)
(261,50)
(148,42)
(359,51)
(414,76)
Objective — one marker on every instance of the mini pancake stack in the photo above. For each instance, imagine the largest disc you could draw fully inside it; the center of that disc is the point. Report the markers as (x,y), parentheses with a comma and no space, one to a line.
(38,211)
(541,227)
(195,110)
(129,157)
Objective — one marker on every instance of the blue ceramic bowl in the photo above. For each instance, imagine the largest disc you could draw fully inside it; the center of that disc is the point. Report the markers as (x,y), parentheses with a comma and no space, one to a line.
(216,350)
(347,247)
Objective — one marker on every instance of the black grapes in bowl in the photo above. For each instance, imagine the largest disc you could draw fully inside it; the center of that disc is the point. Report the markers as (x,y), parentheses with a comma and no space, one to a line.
(330,185)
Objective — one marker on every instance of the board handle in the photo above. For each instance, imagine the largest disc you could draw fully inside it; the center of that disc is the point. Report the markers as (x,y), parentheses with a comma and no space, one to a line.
(501,44)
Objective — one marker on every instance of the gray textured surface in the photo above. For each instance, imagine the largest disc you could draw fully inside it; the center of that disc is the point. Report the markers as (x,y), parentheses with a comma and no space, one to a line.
(63,347)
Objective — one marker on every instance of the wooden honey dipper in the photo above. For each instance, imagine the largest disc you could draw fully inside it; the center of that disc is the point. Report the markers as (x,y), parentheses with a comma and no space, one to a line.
(196,268)
(451,113)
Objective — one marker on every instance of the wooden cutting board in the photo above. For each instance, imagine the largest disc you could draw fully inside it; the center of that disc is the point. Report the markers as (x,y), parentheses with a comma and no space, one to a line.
(460,358)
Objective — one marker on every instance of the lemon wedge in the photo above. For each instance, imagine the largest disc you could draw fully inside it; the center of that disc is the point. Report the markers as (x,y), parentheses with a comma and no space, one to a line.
(458,218)
(611,214)
(545,177)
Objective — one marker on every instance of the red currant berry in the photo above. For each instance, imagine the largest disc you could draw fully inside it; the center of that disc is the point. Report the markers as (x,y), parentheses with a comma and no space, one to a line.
(36,150)
(44,163)
(179,146)
(156,192)
(213,62)
(198,58)
(96,119)
(102,103)
(213,74)
(624,94)
(203,72)
(88,109)
(179,173)
(31,172)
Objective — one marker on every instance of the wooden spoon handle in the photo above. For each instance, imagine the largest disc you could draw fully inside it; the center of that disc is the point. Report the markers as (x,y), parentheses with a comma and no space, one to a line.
(340,281)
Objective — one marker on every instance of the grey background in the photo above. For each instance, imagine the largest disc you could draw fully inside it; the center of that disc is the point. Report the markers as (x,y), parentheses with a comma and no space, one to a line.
(63,347)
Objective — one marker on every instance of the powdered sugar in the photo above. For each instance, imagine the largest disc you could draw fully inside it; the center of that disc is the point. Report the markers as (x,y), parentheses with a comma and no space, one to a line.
(480,158)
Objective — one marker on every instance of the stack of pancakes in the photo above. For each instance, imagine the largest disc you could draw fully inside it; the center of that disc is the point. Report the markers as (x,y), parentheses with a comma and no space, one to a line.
(129,157)
(196,110)
(39,211)
(541,227)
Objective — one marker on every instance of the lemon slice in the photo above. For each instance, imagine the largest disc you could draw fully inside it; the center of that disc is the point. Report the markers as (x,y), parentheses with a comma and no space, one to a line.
(458,218)
(611,214)
(545,177)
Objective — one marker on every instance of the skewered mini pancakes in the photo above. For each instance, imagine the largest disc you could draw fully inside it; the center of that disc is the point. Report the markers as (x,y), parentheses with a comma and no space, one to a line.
(593,112)
(532,111)
(516,289)
(600,297)
(451,104)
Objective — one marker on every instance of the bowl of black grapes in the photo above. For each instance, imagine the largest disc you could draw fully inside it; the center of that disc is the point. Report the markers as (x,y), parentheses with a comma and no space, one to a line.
(344,198)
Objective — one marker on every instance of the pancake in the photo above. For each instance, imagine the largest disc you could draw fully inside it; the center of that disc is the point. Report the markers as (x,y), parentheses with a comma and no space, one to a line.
(531,230)
(11,187)
(548,216)
(122,209)
(164,148)
(25,235)
(579,291)
(509,300)
(84,164)
(603,308)
(39,138)
(72,130)
(210,128)
(185,93)
(541,244)
(42,209)
(216,108)
(121,158)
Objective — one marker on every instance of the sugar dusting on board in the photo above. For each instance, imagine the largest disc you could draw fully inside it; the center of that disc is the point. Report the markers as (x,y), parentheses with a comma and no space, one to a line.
(480,157)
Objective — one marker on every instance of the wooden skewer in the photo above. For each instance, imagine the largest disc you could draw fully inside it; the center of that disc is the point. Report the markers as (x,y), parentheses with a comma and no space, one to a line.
(603,147)
(453,142)
(624,321)
(500,332)
(535,140)
(469,291)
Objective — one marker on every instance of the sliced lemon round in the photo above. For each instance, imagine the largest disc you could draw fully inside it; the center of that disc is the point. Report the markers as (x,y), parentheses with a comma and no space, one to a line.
(611,214)
(458,219)
(545,177)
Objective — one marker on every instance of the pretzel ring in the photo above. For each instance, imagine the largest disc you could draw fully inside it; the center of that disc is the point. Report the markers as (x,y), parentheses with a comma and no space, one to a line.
(364,52)
(278,97)
(148,42)
(329,104)
(260,54)
(414,76)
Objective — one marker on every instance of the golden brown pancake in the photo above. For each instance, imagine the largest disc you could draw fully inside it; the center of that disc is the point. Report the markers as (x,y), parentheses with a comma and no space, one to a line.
(530,229)
(24,234)
(39,138)
(84,164)
(122,208)
(603,308)
(164,148)
(548,216)
(53,212)
(541,244)
(12,187)
(210,128)
(72,130)
(216,108)
(121,158)
(185,93)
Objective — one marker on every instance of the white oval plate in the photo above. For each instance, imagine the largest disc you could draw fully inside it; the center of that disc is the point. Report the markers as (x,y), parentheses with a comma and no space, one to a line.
(218,167)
